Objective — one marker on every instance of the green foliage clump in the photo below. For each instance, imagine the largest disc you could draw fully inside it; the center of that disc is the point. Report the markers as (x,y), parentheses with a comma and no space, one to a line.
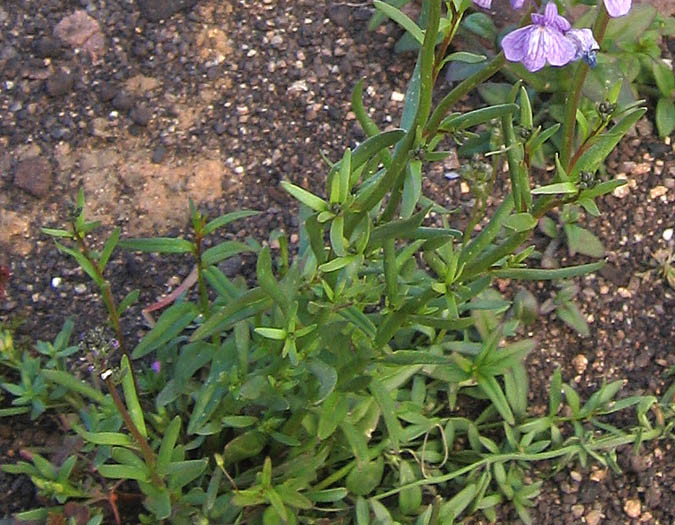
(375,376)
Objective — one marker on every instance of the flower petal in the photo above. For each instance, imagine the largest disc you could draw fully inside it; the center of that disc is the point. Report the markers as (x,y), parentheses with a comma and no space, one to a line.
(516,43)
(617,7)
(553,19)
(517,4)
(535,57)
(559,50)
(485,4)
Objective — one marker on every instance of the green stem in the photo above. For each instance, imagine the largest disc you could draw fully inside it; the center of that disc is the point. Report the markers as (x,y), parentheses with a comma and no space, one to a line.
(456,20)
(203,295)
(148,455)
(602,444)
(427,63)
(108,298)
(570,118)
(463,88)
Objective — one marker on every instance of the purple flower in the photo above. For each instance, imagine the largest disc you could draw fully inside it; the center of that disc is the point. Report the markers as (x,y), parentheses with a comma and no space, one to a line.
(617,7)
(541,42)
(585,44)
(486,4)
(156,367)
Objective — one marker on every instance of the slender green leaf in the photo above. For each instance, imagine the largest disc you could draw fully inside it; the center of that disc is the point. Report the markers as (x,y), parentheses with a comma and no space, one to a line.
(72,383)
(171,323)
(57,233)
(169,440)
(386,404)
(456,505)
(223,251)
(307,198)
(665,117)
(402,19)
(226,219)
(327,495)
(367,123)
(476,117)
(158,245)
(108,248)
(131,398)
(106,438)
(122,472)
(128,300)
(84,263)
(595,155)
(338,263)
(465,57)
(267,281)
(357,441)
(555,189)
(535,274)
(183,472)
(246,304)
(555,393)
(333,410)
(278,334)
(493,390)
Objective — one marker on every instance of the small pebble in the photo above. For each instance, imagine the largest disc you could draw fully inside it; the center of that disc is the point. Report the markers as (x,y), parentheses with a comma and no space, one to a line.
(667,234)
(632,508)
(123,101)
(48,47)
(56,282)
(108,92)
(657,191)
(80,288)
(59,83)
(580,362)
(141,115)
(231,266)
(219,128)
(158,154)
(594,517)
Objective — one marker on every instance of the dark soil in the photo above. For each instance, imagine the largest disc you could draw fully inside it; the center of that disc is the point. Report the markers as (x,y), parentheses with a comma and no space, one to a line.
(150,103)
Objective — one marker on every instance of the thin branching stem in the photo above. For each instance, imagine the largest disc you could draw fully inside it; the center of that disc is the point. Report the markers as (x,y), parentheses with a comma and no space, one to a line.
(572,105)
(147,452)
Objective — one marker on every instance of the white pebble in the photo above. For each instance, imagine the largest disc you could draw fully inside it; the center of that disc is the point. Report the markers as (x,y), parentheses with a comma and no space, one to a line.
(56,282)
(667,234)
(80,288)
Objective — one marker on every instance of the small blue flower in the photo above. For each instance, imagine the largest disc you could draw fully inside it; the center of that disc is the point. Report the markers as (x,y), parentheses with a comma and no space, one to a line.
(541,42)
(585,44)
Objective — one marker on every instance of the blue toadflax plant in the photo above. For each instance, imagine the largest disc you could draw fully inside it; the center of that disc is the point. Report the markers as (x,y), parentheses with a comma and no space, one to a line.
(375,376)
